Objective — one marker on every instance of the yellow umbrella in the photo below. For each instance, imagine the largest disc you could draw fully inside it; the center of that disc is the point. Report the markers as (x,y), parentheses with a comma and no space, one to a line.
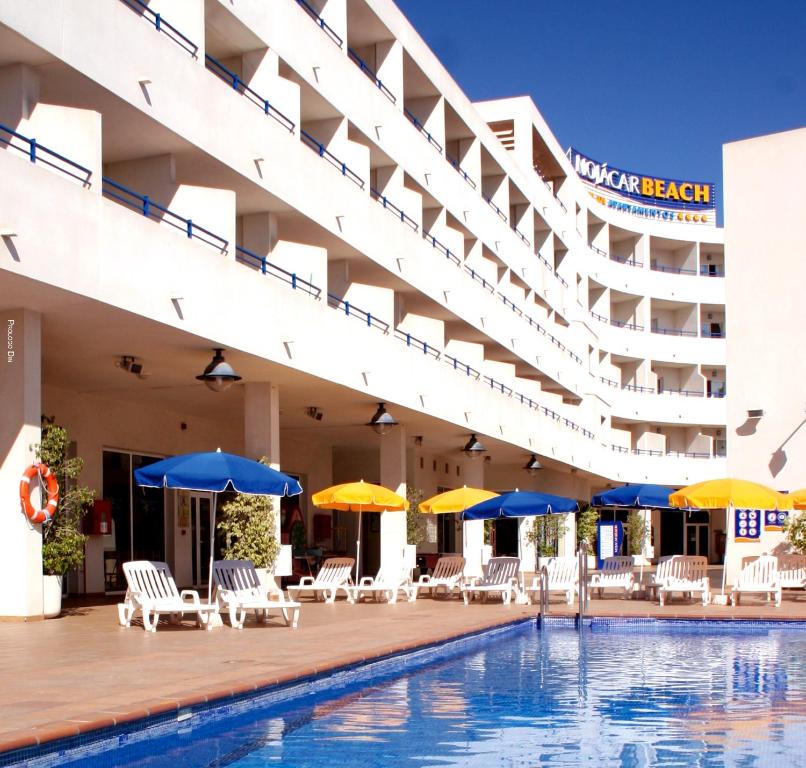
(799,498)
(457,500)
(359,497)
(727,494)
(721,494)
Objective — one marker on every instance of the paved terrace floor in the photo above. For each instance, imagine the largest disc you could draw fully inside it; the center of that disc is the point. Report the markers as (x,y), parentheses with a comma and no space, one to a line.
(82,671)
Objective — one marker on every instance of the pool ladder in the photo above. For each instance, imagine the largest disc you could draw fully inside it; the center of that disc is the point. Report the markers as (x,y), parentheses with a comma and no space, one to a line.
(583,584)
(543,576)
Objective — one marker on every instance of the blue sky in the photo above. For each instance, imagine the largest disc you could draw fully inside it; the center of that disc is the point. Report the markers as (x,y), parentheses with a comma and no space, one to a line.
(646,86)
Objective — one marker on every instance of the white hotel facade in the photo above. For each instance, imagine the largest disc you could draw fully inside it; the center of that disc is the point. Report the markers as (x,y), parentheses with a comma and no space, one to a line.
(303,185)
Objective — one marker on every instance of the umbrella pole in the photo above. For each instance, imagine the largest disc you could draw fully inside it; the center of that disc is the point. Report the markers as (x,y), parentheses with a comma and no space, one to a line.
(727,541)
(358,548)
(212,549)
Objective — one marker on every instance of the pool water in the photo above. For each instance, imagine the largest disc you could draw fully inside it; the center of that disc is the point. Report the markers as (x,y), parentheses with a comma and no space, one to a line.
(628,696)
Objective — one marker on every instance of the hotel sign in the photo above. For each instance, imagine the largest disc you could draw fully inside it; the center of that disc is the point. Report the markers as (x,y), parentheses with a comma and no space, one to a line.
(650,197)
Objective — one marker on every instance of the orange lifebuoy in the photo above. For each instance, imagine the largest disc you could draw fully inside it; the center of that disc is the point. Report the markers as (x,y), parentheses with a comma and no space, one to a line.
(39,515)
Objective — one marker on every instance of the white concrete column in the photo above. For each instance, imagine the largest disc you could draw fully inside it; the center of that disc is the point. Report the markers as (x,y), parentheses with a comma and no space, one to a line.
(259,232)
(20,417)
(262,430)
(473,530)
(393,476)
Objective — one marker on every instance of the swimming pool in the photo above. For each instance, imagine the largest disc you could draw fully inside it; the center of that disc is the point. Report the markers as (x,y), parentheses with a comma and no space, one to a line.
(622,693)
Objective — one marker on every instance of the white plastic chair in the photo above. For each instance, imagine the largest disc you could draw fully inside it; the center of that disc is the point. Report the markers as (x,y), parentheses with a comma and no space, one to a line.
(687,574)
(500,575)
(447,576)
(616,573)
(334,576)
(388,583)
(758,577)
(563,577)
(792,570)
(152,591)
(238,590)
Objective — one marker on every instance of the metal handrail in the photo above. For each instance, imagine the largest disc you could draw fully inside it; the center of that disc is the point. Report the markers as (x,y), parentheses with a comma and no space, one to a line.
(159,23)
(238,85)
(145,205)
(266,267)
(583,582)
(328,30)
(455,164)
(326,154)
(428,237)
(543,575)
(501,214)
(352,311)
(673,270)
(35,152)
(371,74)
(413,341)
(422,129)
(392,208)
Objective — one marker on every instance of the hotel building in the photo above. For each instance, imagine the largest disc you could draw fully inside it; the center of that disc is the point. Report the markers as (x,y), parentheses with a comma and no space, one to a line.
(301,184)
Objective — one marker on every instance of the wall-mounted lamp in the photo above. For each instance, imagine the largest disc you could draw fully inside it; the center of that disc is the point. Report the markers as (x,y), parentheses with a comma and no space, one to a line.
(473,447)
(533,466)
(382,421)
(317,414)
(418,440)
(219,374)
(129,363)
(755,413)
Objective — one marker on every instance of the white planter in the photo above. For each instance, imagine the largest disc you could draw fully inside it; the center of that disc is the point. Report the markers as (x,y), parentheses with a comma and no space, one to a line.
(51,596)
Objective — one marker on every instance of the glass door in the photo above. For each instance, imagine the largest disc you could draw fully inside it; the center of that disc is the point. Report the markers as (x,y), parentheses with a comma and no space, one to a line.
(201,508)
(697,539)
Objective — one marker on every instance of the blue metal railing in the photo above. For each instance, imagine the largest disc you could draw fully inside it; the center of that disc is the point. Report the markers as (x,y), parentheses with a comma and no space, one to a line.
(655,452)
(238,85)
(639,388)
(501,214)
(673,270)
(561,279)
(681,392)
(521,236)
(609,382)
(511,304)
(393,209)
(458,365)
(597,316)
(324,153)
(455,165)
(712,270)
(415,343)
(479,279)
(159,23)
(497,385)
(630,261)
(597,250)
(673,331)
(372,75)
(545,262)
(422,129)
(626,324)
(352,311)
(251,259)
(329,31)
(429,238)
(145,205)
(38,153)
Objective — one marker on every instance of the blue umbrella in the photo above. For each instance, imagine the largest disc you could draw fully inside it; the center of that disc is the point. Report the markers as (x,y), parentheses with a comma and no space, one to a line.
(216,471)
(635,496)
(520,504)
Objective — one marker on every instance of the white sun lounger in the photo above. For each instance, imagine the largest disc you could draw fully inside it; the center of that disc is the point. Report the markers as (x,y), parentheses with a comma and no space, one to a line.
(563,577)
(616,573)
(500,575)
(238,590)
(334,576)
(447,576)
(152,591)
(687,574)
(758,577)
(388,583)
(792,570)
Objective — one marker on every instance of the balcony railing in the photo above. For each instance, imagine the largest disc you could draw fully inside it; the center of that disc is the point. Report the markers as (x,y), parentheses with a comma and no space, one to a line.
(324,153)
(658,453)
(626,324)
(415,343)
(371,74)
(628,260)
(673,270)
(266,267)
(479,279)
(329,31)
(598,250)
(674,331)
(712,270)
(639,388)
(159,23)
(393,209)
(148,208)
(360,314)
(609,382)
(239,86)
(39,153)
(443,249)
(523,237)
(422,129)
(455,164)
(501,214)
(681,392)
(707,333)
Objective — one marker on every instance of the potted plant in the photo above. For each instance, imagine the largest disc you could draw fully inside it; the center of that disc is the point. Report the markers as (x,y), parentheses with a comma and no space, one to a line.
(62,539)
(248,523)
(544,535)
(586,531)
(795,528)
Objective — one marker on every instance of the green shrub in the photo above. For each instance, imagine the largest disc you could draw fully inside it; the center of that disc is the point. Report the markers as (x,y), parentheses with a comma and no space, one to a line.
(248,522)
(586,527)
(544,535)
(415,533)
(795,528)
(636,532)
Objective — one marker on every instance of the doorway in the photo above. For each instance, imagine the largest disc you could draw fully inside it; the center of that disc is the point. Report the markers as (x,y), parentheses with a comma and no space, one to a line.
(506,537)
(201,510)
(698,524)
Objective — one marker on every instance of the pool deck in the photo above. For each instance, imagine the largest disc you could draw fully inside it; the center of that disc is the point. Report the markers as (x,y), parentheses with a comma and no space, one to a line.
(82,671)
